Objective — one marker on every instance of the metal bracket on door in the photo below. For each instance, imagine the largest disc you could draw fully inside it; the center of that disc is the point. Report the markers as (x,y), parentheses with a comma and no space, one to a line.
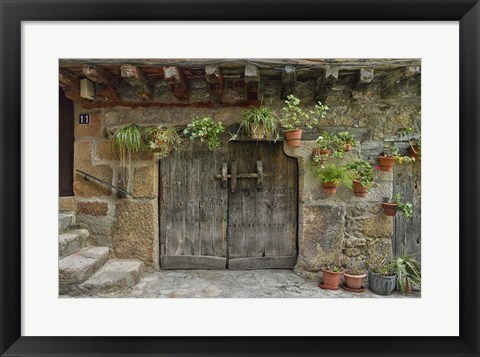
(233,176)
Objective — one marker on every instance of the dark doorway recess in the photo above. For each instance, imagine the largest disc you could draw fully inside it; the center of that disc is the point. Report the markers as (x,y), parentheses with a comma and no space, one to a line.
(66,138)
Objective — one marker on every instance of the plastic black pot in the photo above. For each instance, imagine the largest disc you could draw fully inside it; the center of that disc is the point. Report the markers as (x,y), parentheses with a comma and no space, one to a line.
(381,284)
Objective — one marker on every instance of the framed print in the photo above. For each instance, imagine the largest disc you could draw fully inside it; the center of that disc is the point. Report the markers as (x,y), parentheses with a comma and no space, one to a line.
(239,178)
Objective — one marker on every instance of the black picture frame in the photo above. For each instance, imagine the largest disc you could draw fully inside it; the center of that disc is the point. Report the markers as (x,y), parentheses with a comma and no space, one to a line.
(467,12)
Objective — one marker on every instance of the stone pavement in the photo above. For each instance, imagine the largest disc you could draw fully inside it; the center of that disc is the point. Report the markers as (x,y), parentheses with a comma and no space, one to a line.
(234,284)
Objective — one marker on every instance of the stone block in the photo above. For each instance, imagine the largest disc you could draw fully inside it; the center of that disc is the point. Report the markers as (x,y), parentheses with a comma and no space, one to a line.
(69,243)
(93,208)
(323,234)
(100,228)
(145,182)
(66,220)
(134,232)
(363,209)
(374,226)
(76,268)
(67,204)
(104,150)
(92,129)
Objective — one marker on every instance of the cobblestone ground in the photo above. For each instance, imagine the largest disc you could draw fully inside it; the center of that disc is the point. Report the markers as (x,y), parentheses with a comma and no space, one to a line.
(235,284)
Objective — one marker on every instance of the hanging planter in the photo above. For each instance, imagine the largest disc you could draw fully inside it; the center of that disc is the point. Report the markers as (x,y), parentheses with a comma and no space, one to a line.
(363,172)
(331,176)
(359,190)
(294,137)
(329,188)
(389,208)
(414,151)
(386,163)
(260,123)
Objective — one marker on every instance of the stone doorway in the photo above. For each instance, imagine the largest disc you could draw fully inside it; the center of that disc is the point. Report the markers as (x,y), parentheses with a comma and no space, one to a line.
(247,219)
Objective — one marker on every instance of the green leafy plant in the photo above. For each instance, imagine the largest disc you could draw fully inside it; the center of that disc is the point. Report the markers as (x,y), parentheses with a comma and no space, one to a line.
(162,140)
(127,140)
(363,172)
(205,130)
(260,121)
(379,260)
(355,268)
(336,263)
(294,117)
(408,272)
(347,138)
(334,174)
(332,143)
(393,152)
(413,137)
(406,208)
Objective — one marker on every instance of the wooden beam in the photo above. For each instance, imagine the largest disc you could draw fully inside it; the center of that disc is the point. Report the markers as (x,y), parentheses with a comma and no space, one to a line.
(107,83)
(289,78)
(137,79)
(412,71)
(70,84)
(176,81)
(325,83)
(215,82)
(252,81)
(361,86)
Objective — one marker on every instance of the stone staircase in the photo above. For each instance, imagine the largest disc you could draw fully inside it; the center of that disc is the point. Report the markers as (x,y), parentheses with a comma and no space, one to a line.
(87,270)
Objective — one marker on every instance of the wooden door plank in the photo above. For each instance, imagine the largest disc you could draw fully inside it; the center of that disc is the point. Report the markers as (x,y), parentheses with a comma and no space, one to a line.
(192,230)
(220,209)
(278,262)
(192,262)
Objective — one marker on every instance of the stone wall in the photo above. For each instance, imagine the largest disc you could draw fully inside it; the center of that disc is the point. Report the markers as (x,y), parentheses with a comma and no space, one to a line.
(326,225)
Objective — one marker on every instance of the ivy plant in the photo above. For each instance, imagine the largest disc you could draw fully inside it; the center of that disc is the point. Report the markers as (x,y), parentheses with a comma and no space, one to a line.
(205,130)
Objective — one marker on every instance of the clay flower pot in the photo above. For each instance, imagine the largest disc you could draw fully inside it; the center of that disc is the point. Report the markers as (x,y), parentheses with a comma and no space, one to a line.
(386,163)
(414,151)
(294,137)
(348,147)
(322,152)
(331,279)
(329,188)
(358,189)
(381,284)
(390,209)
(354,281)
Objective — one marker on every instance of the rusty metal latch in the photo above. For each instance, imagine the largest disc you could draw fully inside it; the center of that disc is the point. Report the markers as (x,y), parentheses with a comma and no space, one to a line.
(233,176)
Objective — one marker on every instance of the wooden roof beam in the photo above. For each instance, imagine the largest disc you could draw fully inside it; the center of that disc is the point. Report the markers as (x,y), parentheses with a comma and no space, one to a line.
(107,83)
(137,79)
(252,82)
(325,83)
(215,81)
(289,79)
(70,84)
(361,87)
(176,81)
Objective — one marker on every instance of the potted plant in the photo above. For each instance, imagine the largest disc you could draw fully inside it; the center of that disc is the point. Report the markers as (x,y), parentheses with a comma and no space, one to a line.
(323,145)
(391,206)
(126,140)
(363,177)
(408,272)
(294,118)
(381,277)
(354,277)
(414,140)
(390,156)
(260,122)
(206,130)
(332,273)
(162,140)
(347,139)
(331,175)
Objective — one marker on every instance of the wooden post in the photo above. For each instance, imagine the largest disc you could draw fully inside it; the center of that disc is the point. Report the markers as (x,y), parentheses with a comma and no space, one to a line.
(215,81)
(107,82)
(325,83)
(137,79)
(252,82)
(289,78)
(176,81)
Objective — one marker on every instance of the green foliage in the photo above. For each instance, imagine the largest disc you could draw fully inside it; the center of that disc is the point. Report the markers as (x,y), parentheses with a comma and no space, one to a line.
(408,271)
(405,207)
(335,263)
(334,174)
(347,138)
(264,119)
(206,130)
(379,259)
(363,172)
(392,151)
(355,268)
(126,140)
(162,140)
(295,117)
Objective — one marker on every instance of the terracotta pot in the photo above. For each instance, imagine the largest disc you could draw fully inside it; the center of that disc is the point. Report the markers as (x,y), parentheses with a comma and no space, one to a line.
(354,281)
(257,132)
(329,188)
(348,147)
(359,190)
(386,163)
(294,137)
(414,151)
(390,209)
(331,279)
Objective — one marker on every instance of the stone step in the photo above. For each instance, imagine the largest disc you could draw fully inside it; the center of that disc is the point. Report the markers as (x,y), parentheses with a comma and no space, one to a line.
(66,221)
(115,276)
(78,267)
(71,242)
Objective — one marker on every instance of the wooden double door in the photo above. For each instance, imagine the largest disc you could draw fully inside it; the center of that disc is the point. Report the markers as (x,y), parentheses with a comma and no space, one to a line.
(231,208)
